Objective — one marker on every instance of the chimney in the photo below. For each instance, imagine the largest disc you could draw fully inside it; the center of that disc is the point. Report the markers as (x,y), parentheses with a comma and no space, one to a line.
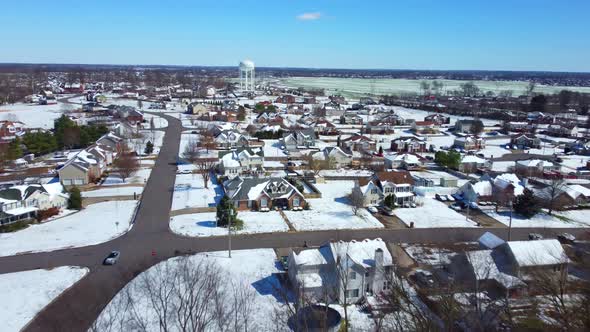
(378,257)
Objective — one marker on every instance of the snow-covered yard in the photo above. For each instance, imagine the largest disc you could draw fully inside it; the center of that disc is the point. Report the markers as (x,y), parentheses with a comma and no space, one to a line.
(272,148)
(332,211)
(574,218)
(140,177)
(156,137)
(26,293)
(254,270)
(113,191)
(95,224)
(189,192)
(159,122)
(33,115)
(203,224)
(433,214)
(353,173)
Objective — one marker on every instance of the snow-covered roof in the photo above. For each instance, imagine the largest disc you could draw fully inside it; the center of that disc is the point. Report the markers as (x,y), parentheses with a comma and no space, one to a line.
(363,252)
(473,159)
(537,253)
(490,240)
(506,179)
(482,188)
(485,268)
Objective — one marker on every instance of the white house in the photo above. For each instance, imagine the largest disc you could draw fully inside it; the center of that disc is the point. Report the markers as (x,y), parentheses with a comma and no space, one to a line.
(341,271)
(399,184)
(240,161)
(336,156)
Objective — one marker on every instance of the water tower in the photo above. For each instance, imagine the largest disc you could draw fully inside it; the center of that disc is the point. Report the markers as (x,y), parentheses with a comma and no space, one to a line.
(247,75)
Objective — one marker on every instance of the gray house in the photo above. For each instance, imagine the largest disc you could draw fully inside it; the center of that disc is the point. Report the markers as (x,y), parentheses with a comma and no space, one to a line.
(299,139)
(341,271)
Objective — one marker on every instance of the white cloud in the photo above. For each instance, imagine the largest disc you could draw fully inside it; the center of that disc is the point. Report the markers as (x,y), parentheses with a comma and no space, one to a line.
(309,16)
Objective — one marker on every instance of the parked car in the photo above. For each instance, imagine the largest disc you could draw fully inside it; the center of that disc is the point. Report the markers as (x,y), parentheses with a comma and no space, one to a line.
(450,198)
(566,238)
(112,258)
(425,278)
(535,236)
(373,209)
(441,198)
(387,211)
(412,205)
(456,207)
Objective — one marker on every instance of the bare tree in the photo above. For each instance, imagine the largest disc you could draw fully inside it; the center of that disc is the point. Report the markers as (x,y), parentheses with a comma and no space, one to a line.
(552,192)
(204,165)
(127,163)
(181,294)
(357,201)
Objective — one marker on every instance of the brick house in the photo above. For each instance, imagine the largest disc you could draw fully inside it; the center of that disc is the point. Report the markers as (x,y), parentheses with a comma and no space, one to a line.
(263,193)
(408,145)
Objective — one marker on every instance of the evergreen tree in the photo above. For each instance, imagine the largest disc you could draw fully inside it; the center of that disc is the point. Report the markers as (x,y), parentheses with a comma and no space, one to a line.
(75,201)
(527,205)
(149,147)
(381,150)
(14,149)
(389,201)
(226,211)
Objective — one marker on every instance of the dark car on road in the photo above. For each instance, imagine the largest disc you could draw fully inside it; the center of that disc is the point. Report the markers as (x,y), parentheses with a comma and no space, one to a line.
(112,258)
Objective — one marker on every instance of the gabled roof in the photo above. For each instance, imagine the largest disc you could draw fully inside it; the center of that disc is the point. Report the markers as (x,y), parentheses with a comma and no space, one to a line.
(397,177)
(537,253)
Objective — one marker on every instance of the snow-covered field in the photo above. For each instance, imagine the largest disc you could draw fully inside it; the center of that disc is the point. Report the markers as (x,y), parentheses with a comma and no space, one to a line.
(33,115)
(189,192)
(358,86)
(433,214)
(93,225)
(575,218)
(140,177)
(156,137)
(26,293)
(332,211)
(272,148)
(203,224)
(113,191)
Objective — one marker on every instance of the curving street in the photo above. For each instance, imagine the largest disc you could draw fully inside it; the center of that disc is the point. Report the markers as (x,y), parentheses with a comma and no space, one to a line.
(150,241)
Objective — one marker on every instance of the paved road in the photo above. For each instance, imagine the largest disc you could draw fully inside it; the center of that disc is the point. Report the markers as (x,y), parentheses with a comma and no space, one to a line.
(77,308)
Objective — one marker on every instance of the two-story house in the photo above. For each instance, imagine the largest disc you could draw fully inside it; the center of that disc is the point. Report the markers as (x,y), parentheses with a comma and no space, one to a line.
(299,139)
(469,143)
(263,193)
(399,184)
(408,145)
(240,161)
(230,139)
(23,202)
(343,272)
(334,156)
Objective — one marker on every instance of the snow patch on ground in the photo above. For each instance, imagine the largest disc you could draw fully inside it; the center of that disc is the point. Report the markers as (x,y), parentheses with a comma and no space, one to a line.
(113,191)
(140,177)
(203,224)
(93,225)
(433,214)
(189,192)
(574,218)
(26,293)
(332,211)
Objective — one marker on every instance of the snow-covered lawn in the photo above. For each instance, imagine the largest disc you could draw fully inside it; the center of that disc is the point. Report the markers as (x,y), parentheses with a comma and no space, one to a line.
(433,214)
(95,224)
(140,177)
(575,218)
(203,224)
(113,191)
(272,148)
(189,192)
(332,211)
(33,115)
(573,162)
(159,122)
(26,293)
(346,172)
(156,137)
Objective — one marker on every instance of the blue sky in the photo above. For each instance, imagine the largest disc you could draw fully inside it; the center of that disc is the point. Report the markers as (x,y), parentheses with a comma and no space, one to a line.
(411,34)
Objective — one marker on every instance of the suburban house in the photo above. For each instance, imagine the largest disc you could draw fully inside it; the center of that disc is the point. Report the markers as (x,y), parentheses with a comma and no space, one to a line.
(439,119)
(112,141)
(526,257)
(230,139)
(465,126)
(429,127)
(535,167)
(407,161)
(400,184)
(263,193)
(471,163)
(469,143)
(344,272)
(478,191)
(324,127)
(408,145)
(23,202)
(299,139)
(567,195)
(9,130)
(335,156)
(505,187)
(522,141)
(351,118)
(269,118)
(358,143)
(563,130)
(81,168)
(199,110)
(240,161)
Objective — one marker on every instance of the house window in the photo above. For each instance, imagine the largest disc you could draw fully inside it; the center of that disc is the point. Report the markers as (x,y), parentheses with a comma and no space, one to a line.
(296,201)
(263,202)
(373,191)
(352,275)
(351,293)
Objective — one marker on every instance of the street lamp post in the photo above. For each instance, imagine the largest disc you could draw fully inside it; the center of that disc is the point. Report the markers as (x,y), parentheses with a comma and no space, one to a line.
(231,213)
(510,223)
